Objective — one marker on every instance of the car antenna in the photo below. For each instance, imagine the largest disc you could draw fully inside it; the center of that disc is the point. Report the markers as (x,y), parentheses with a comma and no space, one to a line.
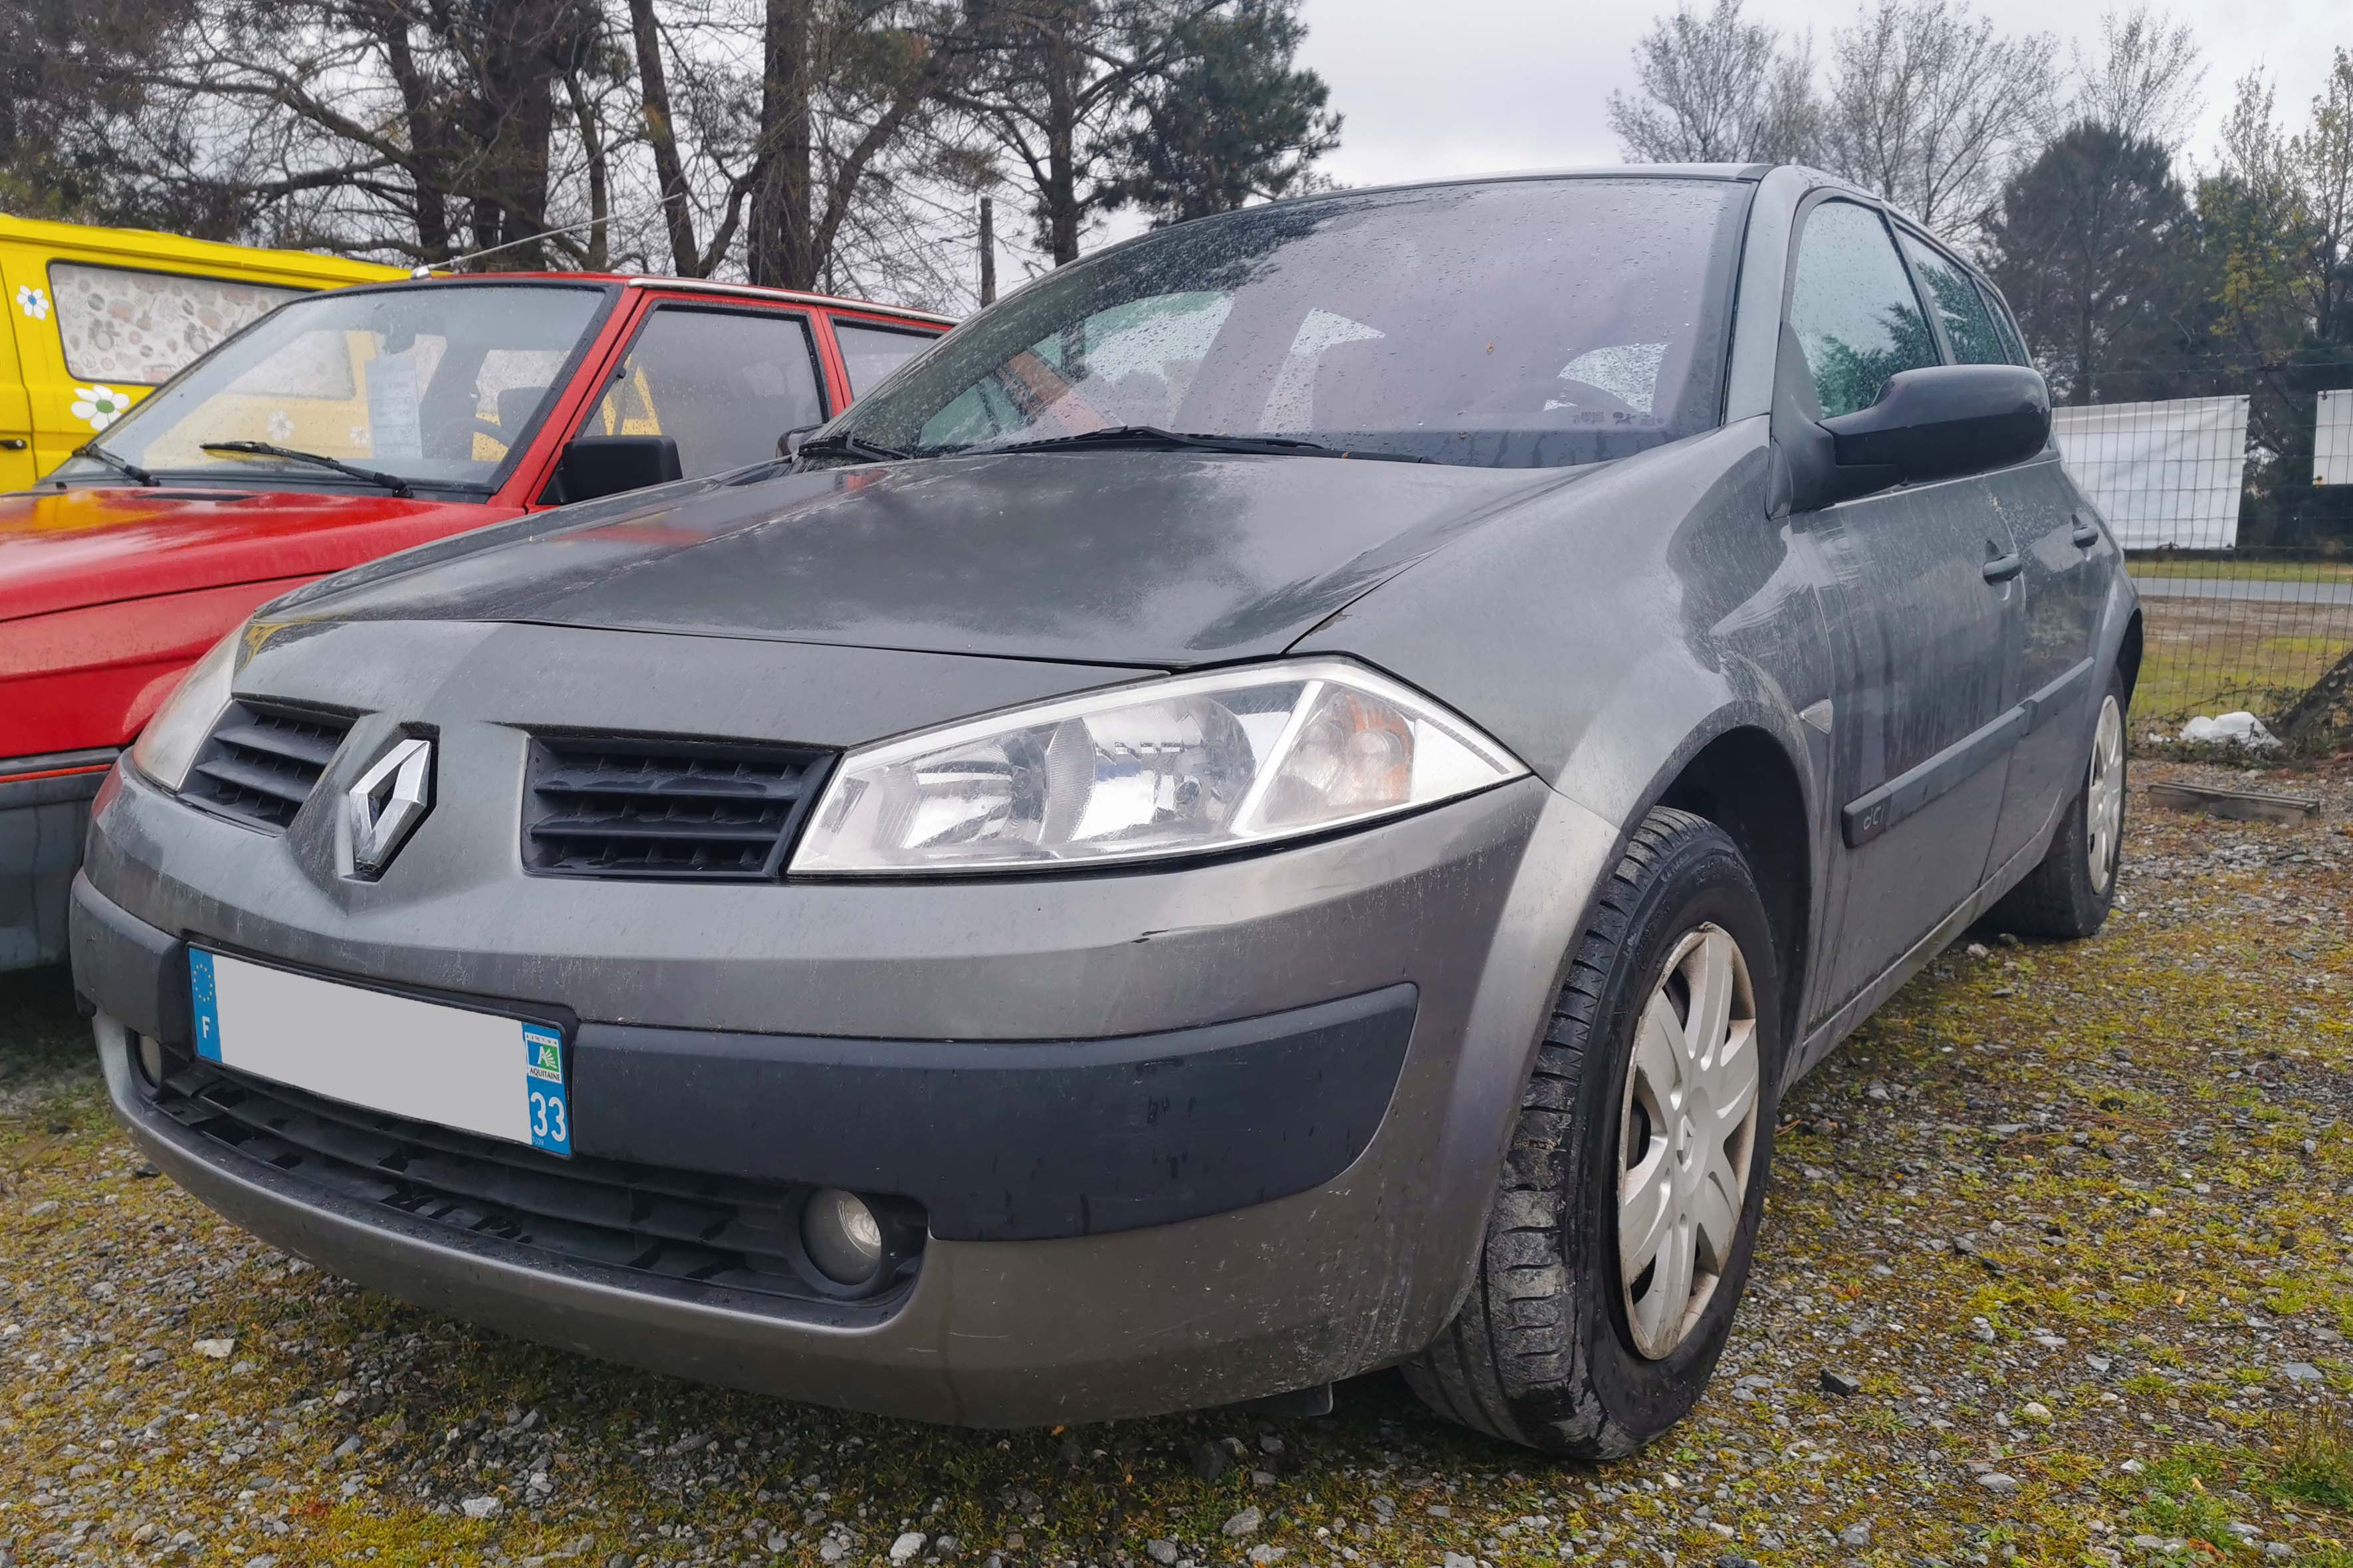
(425,269)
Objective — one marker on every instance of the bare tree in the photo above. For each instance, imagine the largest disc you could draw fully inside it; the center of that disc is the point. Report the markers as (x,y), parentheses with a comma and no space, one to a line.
(1930,108)
(1060,81)
(2142,82)
(2323,157)
(843,83)
(1717,89)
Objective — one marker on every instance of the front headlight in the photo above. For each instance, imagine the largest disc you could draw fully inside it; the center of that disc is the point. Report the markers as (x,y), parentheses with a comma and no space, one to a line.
(171,739)
(1178,767)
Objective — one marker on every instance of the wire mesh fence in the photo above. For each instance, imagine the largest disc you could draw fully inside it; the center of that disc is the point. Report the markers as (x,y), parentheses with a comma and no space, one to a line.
(2231,488)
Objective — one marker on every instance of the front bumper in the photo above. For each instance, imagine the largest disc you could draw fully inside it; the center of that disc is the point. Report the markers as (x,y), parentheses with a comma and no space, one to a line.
(1352,1021)
(44,812)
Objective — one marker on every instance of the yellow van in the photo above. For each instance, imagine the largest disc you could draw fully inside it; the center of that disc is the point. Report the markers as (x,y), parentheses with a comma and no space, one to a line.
(96,317)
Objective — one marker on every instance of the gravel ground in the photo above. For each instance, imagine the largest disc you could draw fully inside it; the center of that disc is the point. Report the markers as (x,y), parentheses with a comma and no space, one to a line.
(2055,1270)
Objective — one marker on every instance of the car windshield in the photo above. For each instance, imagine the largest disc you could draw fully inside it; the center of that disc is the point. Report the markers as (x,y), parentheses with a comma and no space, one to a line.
(433,384)
(1509,324)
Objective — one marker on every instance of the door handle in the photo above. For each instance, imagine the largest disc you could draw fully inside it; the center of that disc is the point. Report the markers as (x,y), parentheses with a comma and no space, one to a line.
(2002,568)
(13,443)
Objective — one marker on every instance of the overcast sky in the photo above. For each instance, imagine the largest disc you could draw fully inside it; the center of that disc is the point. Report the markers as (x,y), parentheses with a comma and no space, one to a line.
(1472,86)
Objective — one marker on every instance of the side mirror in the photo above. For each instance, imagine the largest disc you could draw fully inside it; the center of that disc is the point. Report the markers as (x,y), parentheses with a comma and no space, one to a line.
(1939,423)
(594,465)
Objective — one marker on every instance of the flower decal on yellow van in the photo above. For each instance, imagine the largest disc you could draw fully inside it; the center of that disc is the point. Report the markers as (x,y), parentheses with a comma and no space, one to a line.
(100,405)
(33,302)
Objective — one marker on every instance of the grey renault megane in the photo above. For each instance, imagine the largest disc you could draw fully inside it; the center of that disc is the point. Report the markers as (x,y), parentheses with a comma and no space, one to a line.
(1283,802)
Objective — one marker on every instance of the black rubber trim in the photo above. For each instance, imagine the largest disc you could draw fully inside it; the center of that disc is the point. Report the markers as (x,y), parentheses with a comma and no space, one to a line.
(128,967)
(1868,816)
(73,775)
(1004,1142)
(999,1141)
(2057,696)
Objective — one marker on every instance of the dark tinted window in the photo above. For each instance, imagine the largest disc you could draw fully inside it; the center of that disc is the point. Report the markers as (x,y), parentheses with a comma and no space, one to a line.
(724,383)
(873,353)
(1512,324)
(2013,346)
(1968,325)
(1854,309)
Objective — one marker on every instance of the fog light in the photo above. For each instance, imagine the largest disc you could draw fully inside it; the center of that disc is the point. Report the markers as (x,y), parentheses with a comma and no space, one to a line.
(151,1060)
(842,1235)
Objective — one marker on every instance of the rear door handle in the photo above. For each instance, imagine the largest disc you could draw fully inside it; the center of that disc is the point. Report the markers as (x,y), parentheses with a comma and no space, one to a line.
(13,443)
(2002,568)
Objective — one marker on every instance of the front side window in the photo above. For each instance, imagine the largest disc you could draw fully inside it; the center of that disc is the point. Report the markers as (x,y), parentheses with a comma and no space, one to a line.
(435,382)
(725,385)
(2013,346)
(1968,325)
(872,353)
(1506,324)
(1852,308)
(118,324)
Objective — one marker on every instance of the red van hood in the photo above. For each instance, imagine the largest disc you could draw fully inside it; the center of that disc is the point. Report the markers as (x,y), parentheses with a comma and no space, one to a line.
(62,549)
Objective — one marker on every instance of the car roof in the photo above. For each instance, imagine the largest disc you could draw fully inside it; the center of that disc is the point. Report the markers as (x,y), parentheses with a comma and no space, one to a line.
(693,286)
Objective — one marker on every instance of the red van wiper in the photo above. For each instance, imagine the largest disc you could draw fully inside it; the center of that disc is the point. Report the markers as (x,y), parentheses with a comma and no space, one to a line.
(1153,435)
(391,482)
(123,466)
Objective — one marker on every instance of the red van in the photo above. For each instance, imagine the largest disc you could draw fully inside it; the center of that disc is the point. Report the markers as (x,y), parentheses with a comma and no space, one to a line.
(343,427)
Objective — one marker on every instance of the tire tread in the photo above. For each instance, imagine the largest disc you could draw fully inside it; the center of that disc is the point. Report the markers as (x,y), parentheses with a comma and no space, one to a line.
(1489,1365)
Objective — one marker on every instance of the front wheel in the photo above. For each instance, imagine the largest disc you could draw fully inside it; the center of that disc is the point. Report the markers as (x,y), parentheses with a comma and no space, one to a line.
(2068,896)
(1626,1206)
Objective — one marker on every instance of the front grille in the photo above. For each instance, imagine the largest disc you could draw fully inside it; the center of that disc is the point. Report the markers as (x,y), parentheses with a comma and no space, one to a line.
(261,762)
(682,1227)
(685,810)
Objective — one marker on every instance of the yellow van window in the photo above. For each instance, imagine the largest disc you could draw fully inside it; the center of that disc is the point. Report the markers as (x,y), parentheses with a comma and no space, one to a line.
(120,324)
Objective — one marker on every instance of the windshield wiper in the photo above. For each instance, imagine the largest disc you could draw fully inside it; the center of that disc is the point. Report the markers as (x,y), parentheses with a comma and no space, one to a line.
(391,482)
(1153,435)
(123,466)
(842,443)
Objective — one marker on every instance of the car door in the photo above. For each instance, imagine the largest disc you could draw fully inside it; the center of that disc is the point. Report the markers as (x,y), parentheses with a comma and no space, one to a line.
(725,382)
(1922,604)
(2067,562)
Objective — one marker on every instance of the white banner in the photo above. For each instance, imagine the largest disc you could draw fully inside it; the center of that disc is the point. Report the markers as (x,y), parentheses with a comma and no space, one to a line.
(2161,473)
(2332,439)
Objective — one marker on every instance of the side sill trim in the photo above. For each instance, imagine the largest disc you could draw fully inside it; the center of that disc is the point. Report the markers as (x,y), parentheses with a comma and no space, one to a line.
(2057,696)
(1868,816)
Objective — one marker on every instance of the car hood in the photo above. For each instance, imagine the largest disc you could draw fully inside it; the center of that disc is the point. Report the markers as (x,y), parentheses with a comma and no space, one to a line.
(65,549)
(1146,558)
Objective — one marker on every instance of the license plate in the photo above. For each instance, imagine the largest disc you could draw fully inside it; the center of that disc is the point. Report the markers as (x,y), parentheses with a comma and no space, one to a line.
(479,1072)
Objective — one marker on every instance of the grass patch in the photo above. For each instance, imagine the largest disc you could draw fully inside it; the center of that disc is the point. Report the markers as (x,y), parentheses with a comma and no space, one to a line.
(41,1035)
(2318,1466)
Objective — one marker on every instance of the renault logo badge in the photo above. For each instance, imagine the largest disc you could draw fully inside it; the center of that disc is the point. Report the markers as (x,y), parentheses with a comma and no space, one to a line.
(384,807)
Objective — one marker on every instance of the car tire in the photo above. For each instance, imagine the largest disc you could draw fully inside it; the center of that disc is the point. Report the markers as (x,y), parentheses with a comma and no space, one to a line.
(2068,895)
(1547,1348)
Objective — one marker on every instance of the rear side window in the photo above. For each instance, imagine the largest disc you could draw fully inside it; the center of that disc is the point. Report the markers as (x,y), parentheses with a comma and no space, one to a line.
(725,385)
(120,324)
(1968,325)
(1856,318)
(873,353)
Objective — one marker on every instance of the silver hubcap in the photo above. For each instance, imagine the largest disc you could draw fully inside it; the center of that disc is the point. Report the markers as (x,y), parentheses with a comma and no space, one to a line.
(1687,1131)
(2104,802)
